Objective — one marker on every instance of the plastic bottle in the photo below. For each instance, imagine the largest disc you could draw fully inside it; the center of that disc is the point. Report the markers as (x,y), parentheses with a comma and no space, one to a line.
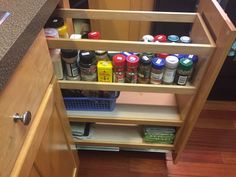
(158,65)
(170,69)
(58,23)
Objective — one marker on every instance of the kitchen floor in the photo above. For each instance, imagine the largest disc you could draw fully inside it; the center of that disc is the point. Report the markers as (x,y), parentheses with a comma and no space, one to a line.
(211,152)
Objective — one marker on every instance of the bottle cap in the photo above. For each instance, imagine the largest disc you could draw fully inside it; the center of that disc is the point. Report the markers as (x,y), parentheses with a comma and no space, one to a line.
(62,30)
(185,64)
(54,22)
(119,60)
(158,63)
(172,62)
(179,56)
(87,58)
(94,35)
(100,52)
(160,38)
(194,58)
(145,60)
(162,55)
(51,32)
(69,53)
(148,38)
(173,38)
(185,39)
(132,60)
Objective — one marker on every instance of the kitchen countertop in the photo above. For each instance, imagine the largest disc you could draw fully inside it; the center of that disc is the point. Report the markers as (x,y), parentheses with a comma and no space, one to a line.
(19,31)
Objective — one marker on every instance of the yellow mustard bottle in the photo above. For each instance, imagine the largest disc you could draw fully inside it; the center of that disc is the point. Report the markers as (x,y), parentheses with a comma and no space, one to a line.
(104,69)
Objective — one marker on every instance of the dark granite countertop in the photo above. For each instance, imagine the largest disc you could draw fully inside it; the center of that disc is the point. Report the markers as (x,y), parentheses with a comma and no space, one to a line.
(19,31)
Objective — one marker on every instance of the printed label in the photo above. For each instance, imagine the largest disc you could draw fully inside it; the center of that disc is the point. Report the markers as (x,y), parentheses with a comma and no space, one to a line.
(156,77)
(72,70)
(169,76)
(186,61)
(182,80)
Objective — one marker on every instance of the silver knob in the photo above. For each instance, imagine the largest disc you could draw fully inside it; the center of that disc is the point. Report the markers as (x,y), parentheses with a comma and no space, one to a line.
(25,118)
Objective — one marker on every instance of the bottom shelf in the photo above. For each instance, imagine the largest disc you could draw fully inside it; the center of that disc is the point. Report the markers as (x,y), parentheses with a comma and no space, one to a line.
(121,136)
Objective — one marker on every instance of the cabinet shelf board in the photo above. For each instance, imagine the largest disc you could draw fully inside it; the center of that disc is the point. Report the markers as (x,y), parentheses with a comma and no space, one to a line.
(85,85)
(119,136)
(131,114)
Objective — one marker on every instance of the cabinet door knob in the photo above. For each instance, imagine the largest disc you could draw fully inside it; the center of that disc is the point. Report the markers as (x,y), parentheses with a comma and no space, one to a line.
(25,118)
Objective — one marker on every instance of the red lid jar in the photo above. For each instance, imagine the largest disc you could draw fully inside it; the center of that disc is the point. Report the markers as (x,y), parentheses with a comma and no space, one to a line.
(94,35)
(160,38)
(132,61)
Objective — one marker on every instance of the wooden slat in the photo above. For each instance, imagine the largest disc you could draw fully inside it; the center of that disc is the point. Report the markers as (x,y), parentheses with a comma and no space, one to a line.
(131,114)
(127,15)
(220,105)
(131,46)
(84,85)
(119,136)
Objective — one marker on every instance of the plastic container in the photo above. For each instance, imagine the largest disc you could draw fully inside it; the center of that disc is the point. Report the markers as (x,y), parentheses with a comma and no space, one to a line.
(173,38)
(104,69)
(184,71)
(119,62)
(160,38)
(148,38)
(144,69)
(170,69)
(58,23)
(91,103)
(132,69)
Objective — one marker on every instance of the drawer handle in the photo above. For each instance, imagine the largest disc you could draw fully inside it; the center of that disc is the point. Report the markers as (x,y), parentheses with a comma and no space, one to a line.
(25,118)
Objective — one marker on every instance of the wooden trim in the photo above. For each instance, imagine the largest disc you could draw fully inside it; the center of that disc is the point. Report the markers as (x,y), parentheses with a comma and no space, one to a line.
(132,46)
(220,105)
(126,15)
(85,85)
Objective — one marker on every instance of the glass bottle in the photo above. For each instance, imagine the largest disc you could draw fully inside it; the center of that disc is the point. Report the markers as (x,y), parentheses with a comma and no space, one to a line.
(132,69)
(119,62)
(144,69)
(158,65)
(170,69)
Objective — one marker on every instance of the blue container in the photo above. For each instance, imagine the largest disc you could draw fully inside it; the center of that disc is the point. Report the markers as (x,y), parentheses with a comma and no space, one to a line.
(90,103)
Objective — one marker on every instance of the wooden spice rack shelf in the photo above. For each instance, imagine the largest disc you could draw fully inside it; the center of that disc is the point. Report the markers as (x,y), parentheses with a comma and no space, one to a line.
(212,35)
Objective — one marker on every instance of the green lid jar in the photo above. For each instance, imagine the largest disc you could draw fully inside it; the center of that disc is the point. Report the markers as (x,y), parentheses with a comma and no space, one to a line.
(184,71)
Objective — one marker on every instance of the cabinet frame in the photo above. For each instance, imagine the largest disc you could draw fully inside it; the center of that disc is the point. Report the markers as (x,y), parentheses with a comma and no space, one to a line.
(212,34)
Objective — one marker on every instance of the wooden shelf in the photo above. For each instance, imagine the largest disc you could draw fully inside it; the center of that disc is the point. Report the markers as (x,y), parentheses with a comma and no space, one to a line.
(119,136)
(131,114)
(85,85)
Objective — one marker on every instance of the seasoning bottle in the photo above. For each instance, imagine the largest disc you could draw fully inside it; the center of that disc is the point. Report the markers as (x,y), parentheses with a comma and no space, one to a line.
(119,61)
(170,69)
(162,55)
(160,38)
(58,23)
(185,39)
(184,71)
(94,35)
(104,69)
(132,69)
(101,55)
(88,66)
(158,65)
(173,38)
(147,38)
(194,59)
(70,58)
(144,69)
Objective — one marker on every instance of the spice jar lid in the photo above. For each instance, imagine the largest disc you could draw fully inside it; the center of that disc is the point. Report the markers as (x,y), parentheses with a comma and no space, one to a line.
(54,22)
(185,64)
(173,38)
(158,63)
(62,30)
(146,60)
(162,55)
(132,60)
(185,39)
(119,60)
(172,62)
(179,56)
(51,33)
(100,52)
(160,38)
(194,58)
(94,35)
(148,38)
(87,58)
(69,53)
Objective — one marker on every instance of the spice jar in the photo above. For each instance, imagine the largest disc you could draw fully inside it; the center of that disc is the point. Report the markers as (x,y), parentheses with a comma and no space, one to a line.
(104,69)
(160,38)
(184,71)
(194,59)
(70,58)
(101,55)
(88,65)
(147,38)
(158,65)
(132,69)
(94,35)
(170,69)
(58,23)
(144,69)
(185,39)
(173,38)
(162,55)
(119,61)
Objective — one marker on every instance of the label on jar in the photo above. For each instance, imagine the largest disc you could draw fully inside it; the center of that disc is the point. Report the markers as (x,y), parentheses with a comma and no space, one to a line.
(182,80)
(119,77)
(156,77)
(169,75)
(72,70)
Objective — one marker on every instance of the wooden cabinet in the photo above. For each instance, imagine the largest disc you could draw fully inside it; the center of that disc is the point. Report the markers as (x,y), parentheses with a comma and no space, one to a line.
(212,35)
(33,88)
(122,29)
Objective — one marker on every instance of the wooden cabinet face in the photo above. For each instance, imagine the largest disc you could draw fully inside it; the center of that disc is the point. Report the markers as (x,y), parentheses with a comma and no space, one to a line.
(23,92)
(54,158)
